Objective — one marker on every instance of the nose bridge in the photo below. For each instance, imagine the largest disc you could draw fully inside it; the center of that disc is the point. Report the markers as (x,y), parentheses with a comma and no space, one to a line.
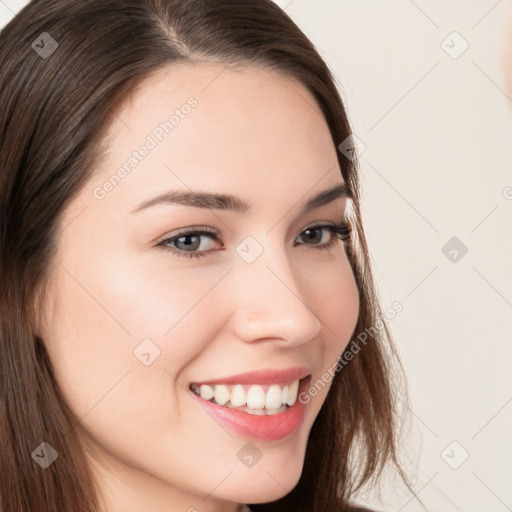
(268,302)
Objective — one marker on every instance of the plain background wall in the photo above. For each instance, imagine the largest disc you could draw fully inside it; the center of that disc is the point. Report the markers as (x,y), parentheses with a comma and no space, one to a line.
(436,127)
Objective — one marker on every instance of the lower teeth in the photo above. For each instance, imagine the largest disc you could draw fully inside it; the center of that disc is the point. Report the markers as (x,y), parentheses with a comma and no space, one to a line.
(256,412)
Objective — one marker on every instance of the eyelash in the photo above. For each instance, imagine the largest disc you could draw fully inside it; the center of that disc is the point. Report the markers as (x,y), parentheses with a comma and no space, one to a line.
(340,232)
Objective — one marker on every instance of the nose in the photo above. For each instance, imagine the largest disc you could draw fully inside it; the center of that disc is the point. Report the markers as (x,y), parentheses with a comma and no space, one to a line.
(269,303)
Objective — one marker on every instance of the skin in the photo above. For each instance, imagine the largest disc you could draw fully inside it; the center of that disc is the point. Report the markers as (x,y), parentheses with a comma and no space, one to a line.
(255,135)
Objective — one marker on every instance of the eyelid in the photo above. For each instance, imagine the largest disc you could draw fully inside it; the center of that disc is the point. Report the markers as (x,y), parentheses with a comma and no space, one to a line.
(339,232)
(215,233)
(185,231)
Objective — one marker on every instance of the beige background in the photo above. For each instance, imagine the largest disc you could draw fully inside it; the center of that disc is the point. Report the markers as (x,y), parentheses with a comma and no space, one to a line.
(437,132)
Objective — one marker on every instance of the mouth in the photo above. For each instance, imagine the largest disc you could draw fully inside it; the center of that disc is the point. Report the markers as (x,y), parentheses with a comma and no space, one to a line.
(256,399)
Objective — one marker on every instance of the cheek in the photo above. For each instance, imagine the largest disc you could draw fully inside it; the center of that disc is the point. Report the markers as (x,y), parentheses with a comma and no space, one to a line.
(110,317)
(169,305)
(337,305)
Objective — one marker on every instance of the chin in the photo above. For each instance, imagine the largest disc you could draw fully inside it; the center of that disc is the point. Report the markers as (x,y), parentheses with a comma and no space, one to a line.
(265,486)
(271,492)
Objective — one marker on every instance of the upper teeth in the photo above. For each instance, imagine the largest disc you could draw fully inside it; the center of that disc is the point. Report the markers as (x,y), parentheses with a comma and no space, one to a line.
(255,396)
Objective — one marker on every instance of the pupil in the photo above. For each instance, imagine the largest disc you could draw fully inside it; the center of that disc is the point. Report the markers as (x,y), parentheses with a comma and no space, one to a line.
(188,237)
(308,231)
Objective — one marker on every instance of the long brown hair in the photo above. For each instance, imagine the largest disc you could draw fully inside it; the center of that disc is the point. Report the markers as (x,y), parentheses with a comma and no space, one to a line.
(66,67)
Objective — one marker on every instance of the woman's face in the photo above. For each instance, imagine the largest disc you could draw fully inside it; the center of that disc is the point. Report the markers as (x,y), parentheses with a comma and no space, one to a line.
(134,321)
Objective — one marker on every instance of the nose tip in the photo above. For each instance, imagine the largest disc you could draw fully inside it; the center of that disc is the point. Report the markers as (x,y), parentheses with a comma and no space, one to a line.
(293,327)
(277,311)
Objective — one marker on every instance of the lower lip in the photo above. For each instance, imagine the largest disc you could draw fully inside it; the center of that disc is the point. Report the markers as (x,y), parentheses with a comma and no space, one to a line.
(266,428)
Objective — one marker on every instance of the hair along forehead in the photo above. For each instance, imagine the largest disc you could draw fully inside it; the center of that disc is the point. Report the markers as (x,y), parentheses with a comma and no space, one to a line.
(174,76)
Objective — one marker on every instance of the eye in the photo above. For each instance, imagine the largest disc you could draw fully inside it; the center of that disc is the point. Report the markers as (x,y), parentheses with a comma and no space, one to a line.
(337,232)
(187,242)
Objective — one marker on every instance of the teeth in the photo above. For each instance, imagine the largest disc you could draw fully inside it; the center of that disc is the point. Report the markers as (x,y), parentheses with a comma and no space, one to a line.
(253,399)
(284,394)
(222,394)
(206,392)
(292,393)
(256,397)
(259,412)
(273,398)
(238,396)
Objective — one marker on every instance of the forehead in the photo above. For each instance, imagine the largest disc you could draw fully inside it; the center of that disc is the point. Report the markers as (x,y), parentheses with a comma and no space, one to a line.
(220,128)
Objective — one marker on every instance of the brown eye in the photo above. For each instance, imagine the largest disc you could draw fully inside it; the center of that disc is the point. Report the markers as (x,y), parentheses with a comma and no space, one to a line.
(338,232)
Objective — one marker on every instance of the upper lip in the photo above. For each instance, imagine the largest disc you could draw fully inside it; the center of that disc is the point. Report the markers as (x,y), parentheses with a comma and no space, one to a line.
(266,376)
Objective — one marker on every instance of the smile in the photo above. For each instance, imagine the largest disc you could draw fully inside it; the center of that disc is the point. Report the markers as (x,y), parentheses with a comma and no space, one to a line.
(253,399)
(267,412)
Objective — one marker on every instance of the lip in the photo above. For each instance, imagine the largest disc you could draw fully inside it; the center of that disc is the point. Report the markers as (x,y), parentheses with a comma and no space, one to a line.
(275,427)
(283,376)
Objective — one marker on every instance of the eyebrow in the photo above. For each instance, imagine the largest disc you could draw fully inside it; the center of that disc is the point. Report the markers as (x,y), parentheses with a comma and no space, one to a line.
(198,199)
